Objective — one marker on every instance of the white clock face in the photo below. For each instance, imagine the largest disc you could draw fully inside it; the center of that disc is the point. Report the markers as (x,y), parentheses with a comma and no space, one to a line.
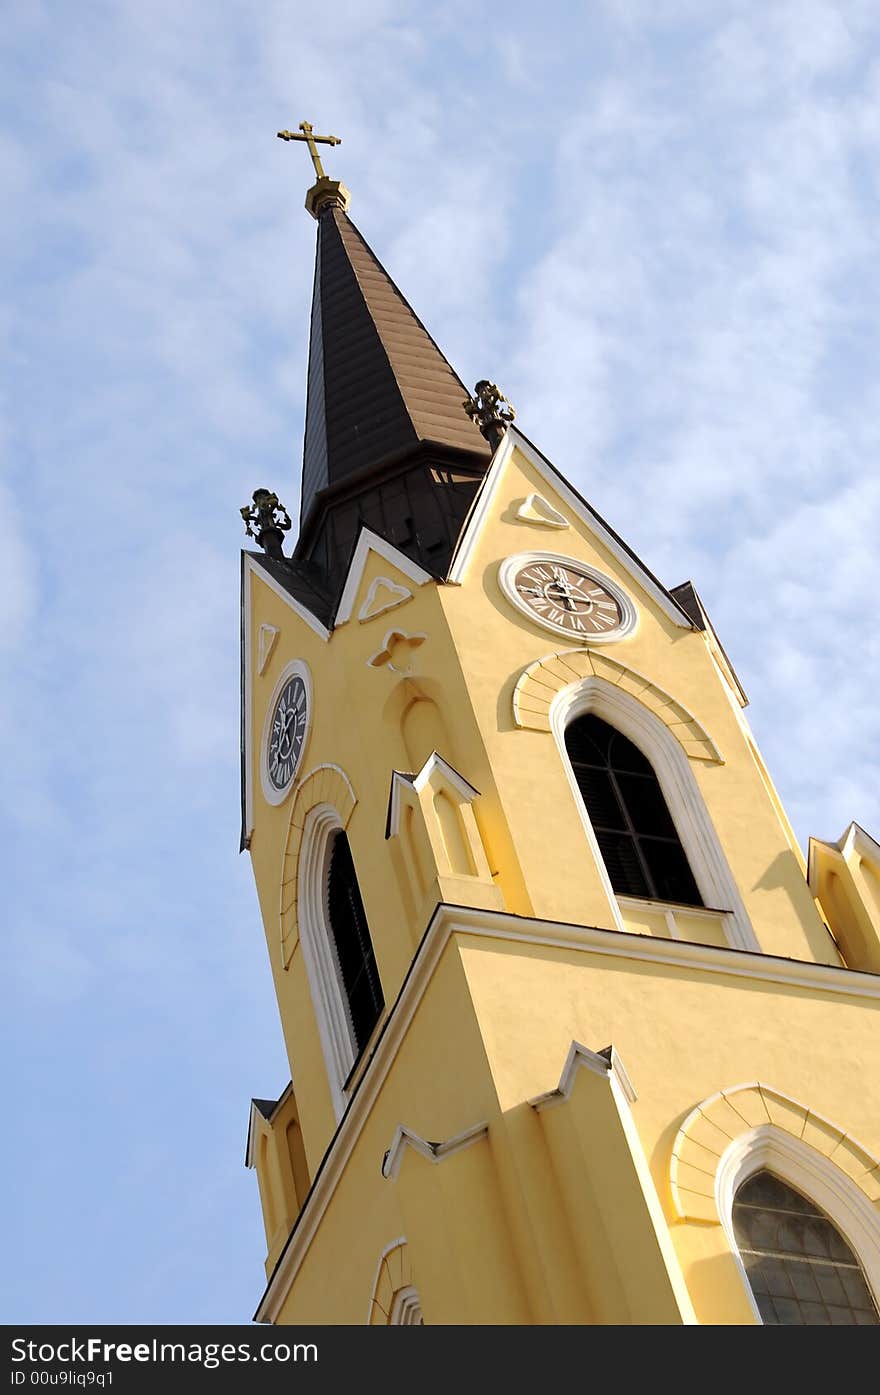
(285,731)
(567,597)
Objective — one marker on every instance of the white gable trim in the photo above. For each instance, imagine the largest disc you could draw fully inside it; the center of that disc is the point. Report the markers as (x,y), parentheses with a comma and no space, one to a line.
(252,569)
(480,510)
(368,542)
(436,762)
(401,782)
(467,543)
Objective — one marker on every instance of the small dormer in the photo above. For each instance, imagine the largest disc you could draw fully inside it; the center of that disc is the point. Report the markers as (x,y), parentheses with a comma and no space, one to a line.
(844,877)
(430,816)
(275,1150)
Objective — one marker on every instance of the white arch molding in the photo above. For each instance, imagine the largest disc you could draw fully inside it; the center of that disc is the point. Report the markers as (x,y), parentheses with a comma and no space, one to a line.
(324,784)
(394,1301)
(815,1176)
(319,950)
(542,680)
(623,711)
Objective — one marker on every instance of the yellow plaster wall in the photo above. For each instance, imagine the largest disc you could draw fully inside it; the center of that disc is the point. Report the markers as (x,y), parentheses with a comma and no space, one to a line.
(359,724)
(438,1086)
(495,643)
(683,1034)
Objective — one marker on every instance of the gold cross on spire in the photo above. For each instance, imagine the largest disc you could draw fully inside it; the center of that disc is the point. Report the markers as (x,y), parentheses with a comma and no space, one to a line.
(312,141)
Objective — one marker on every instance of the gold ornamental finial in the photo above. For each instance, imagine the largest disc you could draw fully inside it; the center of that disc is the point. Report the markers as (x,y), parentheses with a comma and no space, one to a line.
(325,192)
(312,141)
(490,410)
(267,520)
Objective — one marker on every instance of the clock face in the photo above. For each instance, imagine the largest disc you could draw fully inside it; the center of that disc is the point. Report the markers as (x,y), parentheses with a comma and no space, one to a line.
(287,733)
(564,596)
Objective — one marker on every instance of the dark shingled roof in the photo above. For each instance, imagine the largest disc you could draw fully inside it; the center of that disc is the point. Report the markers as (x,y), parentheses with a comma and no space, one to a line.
(301,581)
(377,383)
(686,596)
(265,1107)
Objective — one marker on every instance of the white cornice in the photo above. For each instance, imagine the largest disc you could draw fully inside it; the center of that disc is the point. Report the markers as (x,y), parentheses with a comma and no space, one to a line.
(448,921)
(600,1063)
(368,542)
(434,1152)
(514,440)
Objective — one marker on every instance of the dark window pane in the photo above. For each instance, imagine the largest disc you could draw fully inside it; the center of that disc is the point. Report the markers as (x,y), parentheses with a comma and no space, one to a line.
(354,948)
(643,799)
(830,1286)
(788,1312)
(853,1281)
(598,794)
(623,755)
(767,1310)
(841,1317)
(623,798)
(765,1189)
(814,1314)
(669,871)
(780,1234)
(587,740)
(622,863)
(803,1281)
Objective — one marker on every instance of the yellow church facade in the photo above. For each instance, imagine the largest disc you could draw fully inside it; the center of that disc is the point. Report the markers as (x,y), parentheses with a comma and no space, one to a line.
(576,1035)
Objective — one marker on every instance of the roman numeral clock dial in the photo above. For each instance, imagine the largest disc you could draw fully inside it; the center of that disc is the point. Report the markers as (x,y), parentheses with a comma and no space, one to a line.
(285,732)
(567,597)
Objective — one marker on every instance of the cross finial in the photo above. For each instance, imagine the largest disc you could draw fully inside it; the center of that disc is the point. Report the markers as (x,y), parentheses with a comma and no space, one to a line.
(312,141)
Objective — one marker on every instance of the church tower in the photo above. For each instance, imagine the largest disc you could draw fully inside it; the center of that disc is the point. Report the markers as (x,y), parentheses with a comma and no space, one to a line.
(576,1035)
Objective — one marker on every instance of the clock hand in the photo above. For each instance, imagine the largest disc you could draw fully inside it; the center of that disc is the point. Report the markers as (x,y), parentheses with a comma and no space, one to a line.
(562,585)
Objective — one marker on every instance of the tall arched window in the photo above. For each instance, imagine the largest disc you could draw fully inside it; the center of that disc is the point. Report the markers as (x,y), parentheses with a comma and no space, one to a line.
(637,838)
(801,1270)
(347,923)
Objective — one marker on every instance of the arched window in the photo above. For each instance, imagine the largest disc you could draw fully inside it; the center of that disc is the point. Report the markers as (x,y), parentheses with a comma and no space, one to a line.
(637,838)
(801,1270)
(347,922)
(340,963)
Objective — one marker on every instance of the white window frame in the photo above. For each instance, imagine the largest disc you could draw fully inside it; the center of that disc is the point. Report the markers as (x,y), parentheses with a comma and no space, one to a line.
(670,764)
(816,1177)
(319,951)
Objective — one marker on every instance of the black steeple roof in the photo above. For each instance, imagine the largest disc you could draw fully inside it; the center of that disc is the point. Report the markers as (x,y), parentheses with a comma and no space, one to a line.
(377,383)
(388,443)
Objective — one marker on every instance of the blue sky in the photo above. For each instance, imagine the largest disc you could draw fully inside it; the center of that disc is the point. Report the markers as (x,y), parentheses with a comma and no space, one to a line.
(653,222)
